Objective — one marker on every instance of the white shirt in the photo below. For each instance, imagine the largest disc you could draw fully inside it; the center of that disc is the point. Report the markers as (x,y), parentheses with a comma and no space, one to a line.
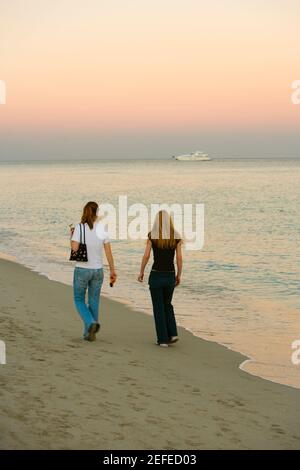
(94,240)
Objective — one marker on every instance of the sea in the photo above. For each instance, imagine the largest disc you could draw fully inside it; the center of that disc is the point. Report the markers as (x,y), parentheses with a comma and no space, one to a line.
(240,288)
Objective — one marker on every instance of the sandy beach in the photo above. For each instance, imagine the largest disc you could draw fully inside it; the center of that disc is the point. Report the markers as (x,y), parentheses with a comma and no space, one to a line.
(122,391)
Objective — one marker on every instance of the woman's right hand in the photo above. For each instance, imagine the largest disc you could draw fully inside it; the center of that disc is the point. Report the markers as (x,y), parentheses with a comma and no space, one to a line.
(113,277)
(141,277)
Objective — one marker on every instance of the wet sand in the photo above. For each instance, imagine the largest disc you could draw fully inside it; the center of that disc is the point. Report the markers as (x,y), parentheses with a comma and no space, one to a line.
(122,391)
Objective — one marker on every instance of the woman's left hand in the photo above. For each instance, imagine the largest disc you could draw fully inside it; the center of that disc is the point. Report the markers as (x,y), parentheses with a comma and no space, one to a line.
(177,282)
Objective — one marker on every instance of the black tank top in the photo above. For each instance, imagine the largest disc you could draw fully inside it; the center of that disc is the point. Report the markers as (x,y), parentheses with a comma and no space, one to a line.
(163,258)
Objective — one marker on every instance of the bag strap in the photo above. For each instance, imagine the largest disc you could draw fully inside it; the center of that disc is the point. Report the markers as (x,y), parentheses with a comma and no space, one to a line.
(80,233)
(83,233)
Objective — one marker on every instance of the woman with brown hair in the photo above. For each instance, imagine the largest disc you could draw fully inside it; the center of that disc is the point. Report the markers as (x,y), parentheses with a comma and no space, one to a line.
(88,274)
(164,242)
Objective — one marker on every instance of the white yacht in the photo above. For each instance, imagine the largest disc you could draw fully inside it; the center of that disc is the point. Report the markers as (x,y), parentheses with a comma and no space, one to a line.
(197,156)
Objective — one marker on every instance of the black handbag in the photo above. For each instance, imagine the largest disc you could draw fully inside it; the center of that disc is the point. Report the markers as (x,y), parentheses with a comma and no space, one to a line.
(81,253)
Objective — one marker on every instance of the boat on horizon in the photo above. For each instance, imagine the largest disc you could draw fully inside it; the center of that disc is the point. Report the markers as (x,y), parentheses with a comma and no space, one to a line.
(197,156)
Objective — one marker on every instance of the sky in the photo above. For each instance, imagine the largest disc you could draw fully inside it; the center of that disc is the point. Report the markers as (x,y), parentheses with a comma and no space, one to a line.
(149,79)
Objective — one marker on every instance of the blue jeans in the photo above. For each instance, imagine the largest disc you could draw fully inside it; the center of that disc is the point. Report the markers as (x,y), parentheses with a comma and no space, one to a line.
(87,280)
(162,284)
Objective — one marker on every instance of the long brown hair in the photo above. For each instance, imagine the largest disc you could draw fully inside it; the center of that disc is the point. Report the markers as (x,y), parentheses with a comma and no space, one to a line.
(89,213)
(163,234)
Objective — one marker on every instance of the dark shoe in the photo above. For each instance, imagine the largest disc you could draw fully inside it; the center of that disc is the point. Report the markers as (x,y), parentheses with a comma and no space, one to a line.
(91,333)
(98,326)
(173,339)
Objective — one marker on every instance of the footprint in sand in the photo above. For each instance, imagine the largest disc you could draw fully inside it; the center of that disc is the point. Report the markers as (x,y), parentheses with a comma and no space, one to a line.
(277,429)
(137,408)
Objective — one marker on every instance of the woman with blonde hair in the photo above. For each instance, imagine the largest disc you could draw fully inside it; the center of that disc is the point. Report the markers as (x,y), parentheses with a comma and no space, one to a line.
(87,241)
(164,242)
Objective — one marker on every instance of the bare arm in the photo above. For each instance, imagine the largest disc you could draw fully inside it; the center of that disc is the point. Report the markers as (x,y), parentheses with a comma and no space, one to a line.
(145,260)
(74,245)
(110,260)
(178,262)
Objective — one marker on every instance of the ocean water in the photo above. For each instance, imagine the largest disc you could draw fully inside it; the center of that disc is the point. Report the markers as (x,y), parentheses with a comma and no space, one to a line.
(241,289)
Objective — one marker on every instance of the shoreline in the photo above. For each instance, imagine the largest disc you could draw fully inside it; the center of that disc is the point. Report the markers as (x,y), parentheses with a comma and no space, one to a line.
(247,358)
(53,397)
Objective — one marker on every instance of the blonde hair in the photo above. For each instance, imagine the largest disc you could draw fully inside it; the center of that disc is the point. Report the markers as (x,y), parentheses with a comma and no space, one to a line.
(163,234)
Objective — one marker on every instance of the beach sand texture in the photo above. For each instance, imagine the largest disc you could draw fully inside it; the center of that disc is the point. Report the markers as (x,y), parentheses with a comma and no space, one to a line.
(122,391)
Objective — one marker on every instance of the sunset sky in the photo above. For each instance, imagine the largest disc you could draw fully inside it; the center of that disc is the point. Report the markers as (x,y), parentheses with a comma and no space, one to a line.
(120,78)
